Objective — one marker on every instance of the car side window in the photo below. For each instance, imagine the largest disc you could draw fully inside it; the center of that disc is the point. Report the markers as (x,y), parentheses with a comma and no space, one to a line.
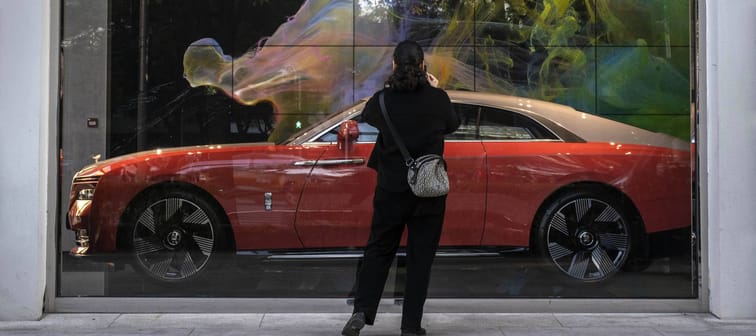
(468,127)
(368,133)
(497,124)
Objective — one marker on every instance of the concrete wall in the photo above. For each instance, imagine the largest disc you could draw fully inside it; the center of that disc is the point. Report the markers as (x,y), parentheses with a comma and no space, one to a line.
(730,97)
(25,156)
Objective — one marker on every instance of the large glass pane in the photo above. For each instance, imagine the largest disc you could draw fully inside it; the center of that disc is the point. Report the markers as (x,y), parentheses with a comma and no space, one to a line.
(225,176)
(150,104)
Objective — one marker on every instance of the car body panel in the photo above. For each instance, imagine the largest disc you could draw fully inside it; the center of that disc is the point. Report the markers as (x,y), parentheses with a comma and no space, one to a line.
(522,176)
(336,206)
(275,172)
(321,194)
(235,176)
(337,201)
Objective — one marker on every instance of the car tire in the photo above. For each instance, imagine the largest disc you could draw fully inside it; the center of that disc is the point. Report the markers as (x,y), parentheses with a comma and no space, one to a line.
(173,235)
(586,235)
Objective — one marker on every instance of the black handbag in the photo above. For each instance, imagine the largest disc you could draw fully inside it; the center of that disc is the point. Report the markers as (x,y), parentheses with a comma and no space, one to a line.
(427,174)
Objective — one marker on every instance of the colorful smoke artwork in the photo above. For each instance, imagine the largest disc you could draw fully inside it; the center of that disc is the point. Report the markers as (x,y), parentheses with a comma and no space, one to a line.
(624,59)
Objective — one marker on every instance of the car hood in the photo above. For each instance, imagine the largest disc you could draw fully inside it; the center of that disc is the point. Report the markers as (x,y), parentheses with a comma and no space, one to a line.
(103,167)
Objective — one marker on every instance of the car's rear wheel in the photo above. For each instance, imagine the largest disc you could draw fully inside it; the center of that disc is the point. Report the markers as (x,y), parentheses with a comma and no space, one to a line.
(173,235)
(585,234)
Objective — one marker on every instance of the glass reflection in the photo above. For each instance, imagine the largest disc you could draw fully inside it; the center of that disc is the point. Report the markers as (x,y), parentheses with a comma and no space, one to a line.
(310,58)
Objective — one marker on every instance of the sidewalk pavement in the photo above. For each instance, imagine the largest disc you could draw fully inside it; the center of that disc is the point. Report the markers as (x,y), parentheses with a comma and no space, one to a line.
(386,324)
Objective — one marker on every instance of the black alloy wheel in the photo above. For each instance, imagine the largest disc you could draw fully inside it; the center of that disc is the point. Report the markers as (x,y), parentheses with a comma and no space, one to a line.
(586,235)
(175,236)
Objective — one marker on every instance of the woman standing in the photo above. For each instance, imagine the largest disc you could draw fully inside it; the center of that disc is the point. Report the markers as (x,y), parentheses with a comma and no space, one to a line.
(422,114)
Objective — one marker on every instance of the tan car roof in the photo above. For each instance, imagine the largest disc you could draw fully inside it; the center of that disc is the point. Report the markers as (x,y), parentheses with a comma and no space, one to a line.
(590,127)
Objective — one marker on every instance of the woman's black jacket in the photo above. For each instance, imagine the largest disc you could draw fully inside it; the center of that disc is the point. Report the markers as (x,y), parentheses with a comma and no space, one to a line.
(421,117)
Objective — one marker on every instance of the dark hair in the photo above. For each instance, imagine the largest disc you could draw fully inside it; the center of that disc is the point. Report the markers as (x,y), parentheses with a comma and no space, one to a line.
(408,75)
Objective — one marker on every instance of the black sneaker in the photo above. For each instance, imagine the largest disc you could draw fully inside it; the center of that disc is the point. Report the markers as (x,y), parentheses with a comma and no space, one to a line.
(354,325)
(416,332)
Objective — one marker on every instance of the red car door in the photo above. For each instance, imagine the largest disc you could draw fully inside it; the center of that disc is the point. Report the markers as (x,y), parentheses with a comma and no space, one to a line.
(336,207)
(265,190)
(522,168)
(336,204)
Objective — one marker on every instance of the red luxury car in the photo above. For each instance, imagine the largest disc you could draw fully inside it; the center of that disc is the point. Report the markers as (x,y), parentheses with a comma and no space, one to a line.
(581,190)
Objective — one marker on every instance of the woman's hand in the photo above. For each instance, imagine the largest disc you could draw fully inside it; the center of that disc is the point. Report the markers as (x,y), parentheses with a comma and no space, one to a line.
(432,80)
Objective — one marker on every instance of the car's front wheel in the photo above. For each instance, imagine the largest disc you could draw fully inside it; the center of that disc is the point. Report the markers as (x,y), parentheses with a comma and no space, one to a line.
(173,235)
(585,234)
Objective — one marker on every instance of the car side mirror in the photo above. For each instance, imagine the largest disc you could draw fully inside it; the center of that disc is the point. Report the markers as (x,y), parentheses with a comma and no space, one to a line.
(347,135)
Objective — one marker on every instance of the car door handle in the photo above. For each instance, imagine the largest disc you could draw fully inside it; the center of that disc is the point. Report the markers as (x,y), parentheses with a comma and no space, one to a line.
(331,162)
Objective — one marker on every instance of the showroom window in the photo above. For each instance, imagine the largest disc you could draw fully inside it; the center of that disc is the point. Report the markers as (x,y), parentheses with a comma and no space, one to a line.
(201,155)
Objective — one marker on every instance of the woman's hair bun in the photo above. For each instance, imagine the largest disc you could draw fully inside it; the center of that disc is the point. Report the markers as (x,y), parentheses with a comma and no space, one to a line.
(409,74)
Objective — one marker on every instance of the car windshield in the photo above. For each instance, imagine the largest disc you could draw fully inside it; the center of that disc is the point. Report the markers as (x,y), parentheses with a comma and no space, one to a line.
(326,123)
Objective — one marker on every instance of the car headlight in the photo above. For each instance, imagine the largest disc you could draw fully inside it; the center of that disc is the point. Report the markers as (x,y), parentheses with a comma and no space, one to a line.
(86,194)
(83,188)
